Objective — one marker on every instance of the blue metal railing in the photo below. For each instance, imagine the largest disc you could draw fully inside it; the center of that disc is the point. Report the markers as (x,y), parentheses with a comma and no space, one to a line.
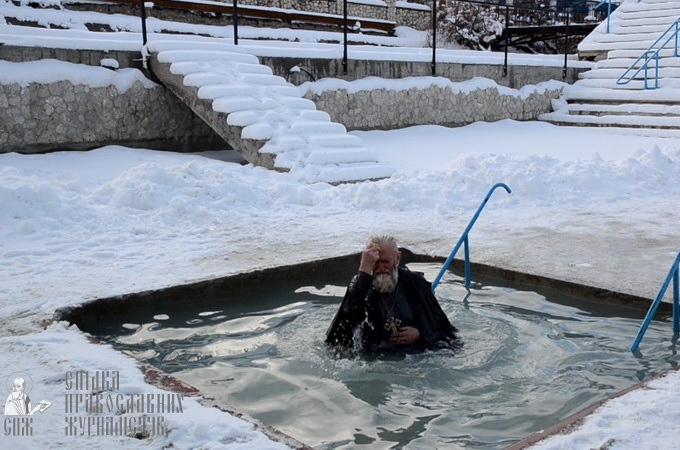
(464,240)
(609,10)
(652,54)
(675,275)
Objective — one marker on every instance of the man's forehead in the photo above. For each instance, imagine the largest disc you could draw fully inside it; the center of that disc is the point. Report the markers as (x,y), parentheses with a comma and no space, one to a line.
(386,251)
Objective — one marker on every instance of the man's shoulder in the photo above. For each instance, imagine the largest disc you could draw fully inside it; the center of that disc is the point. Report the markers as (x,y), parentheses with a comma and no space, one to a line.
(416,278)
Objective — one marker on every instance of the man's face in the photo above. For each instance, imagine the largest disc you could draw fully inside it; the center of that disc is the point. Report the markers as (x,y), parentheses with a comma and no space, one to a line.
(387,262)
(385,270)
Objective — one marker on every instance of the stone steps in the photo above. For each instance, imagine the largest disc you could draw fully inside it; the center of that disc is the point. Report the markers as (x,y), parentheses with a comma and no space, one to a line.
(634,25)
(260,114)
(597,100)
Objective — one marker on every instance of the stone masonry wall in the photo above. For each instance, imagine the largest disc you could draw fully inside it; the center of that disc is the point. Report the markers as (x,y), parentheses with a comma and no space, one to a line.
(414,15)
(389,109)
(41,117)
(62,115)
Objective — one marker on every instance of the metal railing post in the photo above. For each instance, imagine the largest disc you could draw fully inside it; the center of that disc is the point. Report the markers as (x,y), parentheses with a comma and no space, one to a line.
(507,39)
(466,248)
(609,12)
(566,45)
(676,301)
(434,36)
(143,16)
(234,19)
(344,32)
(464,238)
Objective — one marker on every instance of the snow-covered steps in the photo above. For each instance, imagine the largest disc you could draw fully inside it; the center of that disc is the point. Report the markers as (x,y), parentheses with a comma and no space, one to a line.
(260,114)
(597,100)
(634,25)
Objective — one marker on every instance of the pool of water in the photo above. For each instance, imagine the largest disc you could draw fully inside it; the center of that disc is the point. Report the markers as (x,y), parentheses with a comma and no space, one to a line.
(530,359)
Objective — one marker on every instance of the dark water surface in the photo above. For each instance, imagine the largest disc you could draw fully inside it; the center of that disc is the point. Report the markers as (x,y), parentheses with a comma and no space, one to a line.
(529,360)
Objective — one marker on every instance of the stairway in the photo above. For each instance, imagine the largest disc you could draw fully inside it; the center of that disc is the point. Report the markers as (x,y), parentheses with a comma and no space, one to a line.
(260,114)
(597,100)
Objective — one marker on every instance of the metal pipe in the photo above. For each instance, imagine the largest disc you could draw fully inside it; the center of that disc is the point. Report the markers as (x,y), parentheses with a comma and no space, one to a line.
(466,248)
(655,304)
(234,19)
(507,39)
(464,236)
(143,16)
(566,45)
(434,36)
(344,32)
(676,301)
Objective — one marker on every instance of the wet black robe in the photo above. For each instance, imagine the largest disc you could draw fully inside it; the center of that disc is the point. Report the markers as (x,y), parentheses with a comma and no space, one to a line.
(360,315)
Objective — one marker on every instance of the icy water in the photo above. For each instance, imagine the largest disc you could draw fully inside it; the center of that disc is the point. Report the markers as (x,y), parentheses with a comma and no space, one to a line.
(529,360)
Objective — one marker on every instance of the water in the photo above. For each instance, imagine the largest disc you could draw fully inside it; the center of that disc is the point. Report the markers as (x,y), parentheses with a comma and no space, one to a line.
(528,362)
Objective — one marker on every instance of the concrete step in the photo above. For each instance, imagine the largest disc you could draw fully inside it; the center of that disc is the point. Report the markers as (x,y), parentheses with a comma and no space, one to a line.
(634,54)
(344,173)
(634,21)
(616,72)
(577,93)
(650,132)
(624,63)
(635,85)
(628,121)
(261,115)
(636,109)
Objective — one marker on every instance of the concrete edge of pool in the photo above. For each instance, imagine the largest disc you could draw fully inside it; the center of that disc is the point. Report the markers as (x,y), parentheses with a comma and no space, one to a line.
(86,316)
(575,420)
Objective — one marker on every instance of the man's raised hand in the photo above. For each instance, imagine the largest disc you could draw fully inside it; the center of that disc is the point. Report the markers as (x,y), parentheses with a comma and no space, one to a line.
(369,258)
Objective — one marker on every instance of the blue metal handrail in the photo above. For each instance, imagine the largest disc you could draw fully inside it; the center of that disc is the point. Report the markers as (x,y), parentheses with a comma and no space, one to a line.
(652,53)
(464,239)
(675,275)
(609,9)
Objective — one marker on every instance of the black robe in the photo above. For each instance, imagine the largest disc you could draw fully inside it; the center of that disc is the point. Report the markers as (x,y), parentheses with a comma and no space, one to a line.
(361,317)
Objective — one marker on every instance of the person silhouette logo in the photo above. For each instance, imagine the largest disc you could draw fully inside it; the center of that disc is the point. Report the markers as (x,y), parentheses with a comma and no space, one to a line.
(18,401)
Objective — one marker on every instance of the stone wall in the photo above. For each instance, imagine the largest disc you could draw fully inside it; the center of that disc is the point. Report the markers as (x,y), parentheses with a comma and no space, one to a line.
(418,17)
(413,15)
(61,115)
(42,117)
(439,105)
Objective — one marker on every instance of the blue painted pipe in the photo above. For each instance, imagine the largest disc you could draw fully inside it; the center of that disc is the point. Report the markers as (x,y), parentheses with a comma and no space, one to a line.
(464,239)
(652,309)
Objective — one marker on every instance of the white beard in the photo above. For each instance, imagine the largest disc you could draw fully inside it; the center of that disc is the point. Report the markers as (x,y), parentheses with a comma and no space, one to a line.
(387,282)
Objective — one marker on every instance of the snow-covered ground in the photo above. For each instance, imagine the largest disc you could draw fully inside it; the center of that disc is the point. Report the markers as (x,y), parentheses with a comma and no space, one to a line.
(587,206)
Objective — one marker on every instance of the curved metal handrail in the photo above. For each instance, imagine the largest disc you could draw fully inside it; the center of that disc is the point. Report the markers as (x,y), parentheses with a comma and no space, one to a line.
(649,55)
(464,239)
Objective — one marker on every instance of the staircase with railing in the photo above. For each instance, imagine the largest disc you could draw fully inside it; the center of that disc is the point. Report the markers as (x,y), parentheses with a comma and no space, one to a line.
(636,88)
(640,68)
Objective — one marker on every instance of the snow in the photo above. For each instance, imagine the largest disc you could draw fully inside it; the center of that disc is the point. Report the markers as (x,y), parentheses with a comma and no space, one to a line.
(588,206)
(78,226)
(47,71)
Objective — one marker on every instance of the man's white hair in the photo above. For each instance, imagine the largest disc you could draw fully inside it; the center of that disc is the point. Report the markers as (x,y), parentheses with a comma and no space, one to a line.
(385,240)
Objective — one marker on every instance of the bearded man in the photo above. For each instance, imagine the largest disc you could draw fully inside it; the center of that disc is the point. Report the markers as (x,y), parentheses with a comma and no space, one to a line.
(388,308)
